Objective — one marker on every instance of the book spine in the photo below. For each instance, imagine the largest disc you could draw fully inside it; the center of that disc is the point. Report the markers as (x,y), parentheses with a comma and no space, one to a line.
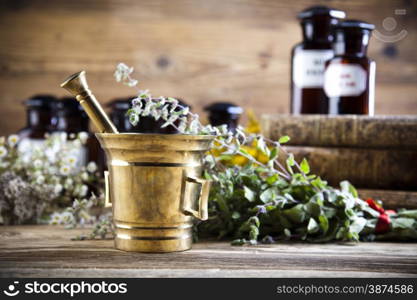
(365,168)
(340,131)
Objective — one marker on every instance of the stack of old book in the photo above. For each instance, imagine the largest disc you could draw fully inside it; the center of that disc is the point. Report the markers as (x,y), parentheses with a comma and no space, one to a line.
(376,154)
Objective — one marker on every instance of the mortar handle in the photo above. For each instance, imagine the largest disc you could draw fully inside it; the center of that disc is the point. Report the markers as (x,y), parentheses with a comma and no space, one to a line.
(107,199)
(204,189)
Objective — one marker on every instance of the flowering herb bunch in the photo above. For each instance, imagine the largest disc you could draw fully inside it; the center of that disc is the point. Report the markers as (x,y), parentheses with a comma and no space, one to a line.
(261,193)
(38,179)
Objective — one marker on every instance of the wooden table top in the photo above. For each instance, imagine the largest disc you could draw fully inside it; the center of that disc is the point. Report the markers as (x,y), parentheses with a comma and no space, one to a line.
(48,251)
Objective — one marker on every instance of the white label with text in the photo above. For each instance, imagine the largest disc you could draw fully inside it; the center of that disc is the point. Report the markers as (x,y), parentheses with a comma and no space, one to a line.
(308,67)
(344,80)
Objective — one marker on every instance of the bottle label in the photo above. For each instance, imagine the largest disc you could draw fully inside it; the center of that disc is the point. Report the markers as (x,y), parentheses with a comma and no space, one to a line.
(308,67)
(344,80)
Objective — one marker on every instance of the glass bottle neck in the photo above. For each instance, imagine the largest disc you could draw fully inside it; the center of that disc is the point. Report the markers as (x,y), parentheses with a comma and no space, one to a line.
(318,30)
(70,123)
(38,118)
(351,44)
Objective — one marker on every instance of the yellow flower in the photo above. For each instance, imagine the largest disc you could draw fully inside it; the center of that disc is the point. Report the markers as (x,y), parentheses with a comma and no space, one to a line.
(253,123)
(240,160)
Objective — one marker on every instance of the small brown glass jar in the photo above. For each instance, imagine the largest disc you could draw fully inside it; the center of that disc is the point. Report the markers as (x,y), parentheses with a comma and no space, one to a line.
(350,76)
(39,114)
(70,117)
(308,58)
(118,109)
(224,113)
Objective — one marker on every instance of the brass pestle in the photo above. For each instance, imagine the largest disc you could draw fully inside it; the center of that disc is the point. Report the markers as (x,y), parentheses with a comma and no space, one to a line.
(77,85)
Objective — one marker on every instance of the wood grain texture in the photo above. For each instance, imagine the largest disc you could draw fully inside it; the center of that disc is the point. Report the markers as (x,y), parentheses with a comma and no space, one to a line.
(46,251)
(379,132)
(391,199)
(198,50)
(364,168)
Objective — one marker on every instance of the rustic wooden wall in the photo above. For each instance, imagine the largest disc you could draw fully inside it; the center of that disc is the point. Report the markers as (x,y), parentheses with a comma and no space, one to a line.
(199,50)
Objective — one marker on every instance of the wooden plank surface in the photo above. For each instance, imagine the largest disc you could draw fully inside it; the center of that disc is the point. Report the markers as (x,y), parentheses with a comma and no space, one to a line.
(46,251)
(198,50)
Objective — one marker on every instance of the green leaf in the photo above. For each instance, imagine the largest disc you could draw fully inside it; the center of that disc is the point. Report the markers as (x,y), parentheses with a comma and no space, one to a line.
(296,214)
(287,232)
(243,151)
(226,157)
(290,160)
(305,167)
(268,195)
(273,154)
(235,215)
(404,223)
(312,226)
(249,194)
(290,163)
(324,223)
(254,221)
(253,233)
(347,187)
(284,139)
(410,213)
(272,179)
(319,183)
(357,225)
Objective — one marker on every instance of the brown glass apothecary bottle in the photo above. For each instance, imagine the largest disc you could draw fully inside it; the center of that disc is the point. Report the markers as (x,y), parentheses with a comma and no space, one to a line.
(349,80)
(224,113)
(308,58)
(39,113)
(69,117)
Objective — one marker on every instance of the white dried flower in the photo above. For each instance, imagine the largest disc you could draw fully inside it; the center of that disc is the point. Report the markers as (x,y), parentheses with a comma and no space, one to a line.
(40,180)
(37,164)
(137,102)
(71,160)
(91,167)
(81,190)
(65,170)
(148,107)
(62,137)
(83,136)
(58,188)
(3,151)
(122,74)
(84,176)
(134,119)
(12,140)
(76,144)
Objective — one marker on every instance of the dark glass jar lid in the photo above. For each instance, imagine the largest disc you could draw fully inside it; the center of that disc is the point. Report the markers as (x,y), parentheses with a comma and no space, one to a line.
(121,103)
(224,107)
(354,24)
(68,105)
(43,101)
(321,10)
